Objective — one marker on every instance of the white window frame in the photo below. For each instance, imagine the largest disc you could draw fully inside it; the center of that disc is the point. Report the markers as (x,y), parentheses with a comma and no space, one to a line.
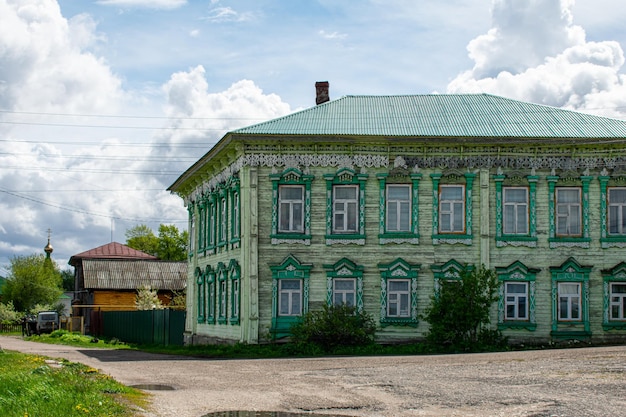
(515,209)
(291,294)
(512,299)
(398,298)
(453,206)
(394,207)
(343,292)
(570,299)
(286,203)
(616,213)
(568,223)
(349,208)
(223,299)
(236,225)
(617,300)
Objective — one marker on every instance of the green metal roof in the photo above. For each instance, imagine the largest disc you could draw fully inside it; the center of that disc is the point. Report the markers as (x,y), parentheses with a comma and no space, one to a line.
(439,115)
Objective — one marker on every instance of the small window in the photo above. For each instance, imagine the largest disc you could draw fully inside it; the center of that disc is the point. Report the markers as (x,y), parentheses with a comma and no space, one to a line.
(290,297)
(344,291)
(398,208)
(516,300)
(618,300)
(345,208)
(515,210)
(291,209)
(568,212)
(452,209)
(617,211)
(569,301)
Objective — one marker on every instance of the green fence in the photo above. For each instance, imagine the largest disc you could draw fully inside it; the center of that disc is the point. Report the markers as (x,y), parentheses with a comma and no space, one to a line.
(160,327)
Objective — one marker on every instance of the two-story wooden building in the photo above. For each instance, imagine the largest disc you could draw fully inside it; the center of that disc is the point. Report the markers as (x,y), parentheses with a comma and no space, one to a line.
(372,200)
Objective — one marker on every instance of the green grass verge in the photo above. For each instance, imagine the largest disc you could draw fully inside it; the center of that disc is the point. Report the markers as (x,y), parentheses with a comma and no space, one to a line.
(63,337)
(30,387)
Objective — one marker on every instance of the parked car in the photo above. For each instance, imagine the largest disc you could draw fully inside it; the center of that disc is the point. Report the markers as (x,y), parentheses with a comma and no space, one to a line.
(47,322)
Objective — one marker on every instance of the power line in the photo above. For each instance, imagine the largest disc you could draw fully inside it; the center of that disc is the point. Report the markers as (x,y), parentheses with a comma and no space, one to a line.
(118,116)
(81,211)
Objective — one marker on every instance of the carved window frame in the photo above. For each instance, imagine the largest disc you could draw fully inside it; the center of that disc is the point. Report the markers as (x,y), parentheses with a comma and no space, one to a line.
(516,179)
(453,177)
(411,236)
(222,293)
(345,268)
(345,176)
(291,176)
(615,275)
(234,273)
(289,268)
(517,272)
(569,179)
(616,180)
(201,294)
(399,269)
(234,212)
(571,271)
(210,283)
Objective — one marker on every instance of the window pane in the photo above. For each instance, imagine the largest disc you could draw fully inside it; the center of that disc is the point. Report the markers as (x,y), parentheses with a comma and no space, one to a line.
(452,193)
(344,284)
(618,288)
(516,288)
(398,285)
(398,192)
(345,193)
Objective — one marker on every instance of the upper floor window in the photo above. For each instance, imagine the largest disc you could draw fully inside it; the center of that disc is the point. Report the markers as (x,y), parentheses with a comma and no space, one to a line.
(291,207)
(617,211)
(452,207)
(398,208)
(568,211)
(345,207)
(515,210)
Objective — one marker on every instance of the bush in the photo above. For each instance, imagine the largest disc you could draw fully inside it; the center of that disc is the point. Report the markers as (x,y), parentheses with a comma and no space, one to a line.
(8,315)
(459,314)
(333,327)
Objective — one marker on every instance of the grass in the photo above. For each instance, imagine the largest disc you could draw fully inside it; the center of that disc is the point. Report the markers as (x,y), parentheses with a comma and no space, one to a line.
(63,337)
(30,387)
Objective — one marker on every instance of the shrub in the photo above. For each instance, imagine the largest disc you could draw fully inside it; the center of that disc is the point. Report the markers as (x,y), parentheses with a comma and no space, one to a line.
(333,327)
(8,315)
(459,313)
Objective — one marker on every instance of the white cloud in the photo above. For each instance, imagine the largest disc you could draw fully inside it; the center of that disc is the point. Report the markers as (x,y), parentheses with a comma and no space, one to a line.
(332,35)
(144,4)
(227,14)
(535,53)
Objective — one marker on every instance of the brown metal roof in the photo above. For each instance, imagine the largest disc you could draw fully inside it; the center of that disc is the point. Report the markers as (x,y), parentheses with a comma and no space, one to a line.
(127,274)
(111,250)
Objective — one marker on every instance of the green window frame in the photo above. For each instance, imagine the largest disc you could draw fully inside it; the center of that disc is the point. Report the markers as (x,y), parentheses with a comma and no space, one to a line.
(614,297)
(211,226)
(235,211)
(200,292)
(192,229)
(344,271)
(568,182)
(511,276)
(290,269)
(512,181)
(398,287)
(607,183)
(446,180)
(222,216)
(235,291)
(281,182)
(344,179)
(222,293)
(567,323)
(210,283)
(449,271)
(202,207)
(388,234)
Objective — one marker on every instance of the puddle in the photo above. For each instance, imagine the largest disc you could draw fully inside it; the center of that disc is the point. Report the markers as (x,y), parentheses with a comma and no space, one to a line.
(153,387)
(267,414)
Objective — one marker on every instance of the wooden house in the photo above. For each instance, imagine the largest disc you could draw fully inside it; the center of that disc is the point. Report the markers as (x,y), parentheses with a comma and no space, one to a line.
(109,276)
(372,200)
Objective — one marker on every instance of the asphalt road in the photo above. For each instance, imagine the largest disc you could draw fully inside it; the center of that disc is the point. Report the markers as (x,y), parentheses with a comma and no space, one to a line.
(579,382)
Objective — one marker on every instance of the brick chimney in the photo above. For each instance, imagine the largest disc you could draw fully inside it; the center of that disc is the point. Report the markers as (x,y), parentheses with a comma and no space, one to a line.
(321,92)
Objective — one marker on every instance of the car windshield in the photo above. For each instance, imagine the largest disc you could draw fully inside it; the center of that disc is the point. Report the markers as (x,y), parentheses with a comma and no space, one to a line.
(48,316)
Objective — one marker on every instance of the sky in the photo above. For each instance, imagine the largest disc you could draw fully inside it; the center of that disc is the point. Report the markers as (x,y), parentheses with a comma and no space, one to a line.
(104,104)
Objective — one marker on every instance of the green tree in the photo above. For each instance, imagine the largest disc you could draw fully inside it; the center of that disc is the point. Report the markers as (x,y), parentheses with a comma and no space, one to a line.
(68,279)
(147,299)
(459,313)
(169,245)
(141,237)
(32,280)
(172,244)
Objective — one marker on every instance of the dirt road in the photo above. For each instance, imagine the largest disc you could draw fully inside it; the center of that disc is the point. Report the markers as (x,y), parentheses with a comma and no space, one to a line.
(567,382)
